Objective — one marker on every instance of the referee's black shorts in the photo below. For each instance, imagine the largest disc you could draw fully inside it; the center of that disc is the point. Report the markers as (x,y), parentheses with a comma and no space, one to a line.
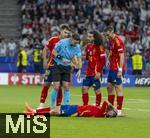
(60,73)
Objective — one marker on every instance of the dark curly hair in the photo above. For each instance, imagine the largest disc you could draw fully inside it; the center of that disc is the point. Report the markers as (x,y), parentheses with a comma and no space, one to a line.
(98,40)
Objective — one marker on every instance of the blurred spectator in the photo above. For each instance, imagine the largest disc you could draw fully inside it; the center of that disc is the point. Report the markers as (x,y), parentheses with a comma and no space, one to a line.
(37,57)
(12,48)
(3,48)
(148,67)
(146,38)
(137,63)
(22,60)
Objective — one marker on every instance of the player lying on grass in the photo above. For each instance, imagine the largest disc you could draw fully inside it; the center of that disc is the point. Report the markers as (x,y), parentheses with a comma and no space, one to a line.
(106,110)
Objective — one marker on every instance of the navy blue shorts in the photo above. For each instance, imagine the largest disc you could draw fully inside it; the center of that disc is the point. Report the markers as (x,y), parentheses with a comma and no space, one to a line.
(91,81)
(48,76)
(112,77)
(68,110)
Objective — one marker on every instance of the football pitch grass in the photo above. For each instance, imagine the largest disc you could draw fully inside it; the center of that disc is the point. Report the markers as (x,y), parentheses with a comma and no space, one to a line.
(135,125)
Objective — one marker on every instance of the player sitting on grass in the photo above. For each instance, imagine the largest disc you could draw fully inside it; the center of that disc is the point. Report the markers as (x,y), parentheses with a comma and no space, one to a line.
(106,110)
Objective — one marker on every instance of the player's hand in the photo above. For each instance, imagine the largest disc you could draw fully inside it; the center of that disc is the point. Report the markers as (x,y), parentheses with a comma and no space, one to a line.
(78,73)
(74,60)
(119,74)
(98,75)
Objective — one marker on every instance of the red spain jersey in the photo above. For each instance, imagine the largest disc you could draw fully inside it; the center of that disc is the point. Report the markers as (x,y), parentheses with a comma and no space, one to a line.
(96,59)
(51,45)
(92,111)
(116,47)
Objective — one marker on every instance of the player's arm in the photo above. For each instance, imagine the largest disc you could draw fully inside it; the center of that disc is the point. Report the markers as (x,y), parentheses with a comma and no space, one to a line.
(79,61)
(44,53)
(121,55)
(85,53)
(121,59)
(100,63)
(79,67)
(107,57)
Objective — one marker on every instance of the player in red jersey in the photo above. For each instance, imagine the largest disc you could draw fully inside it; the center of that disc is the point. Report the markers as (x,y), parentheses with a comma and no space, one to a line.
(106,110)
(117,68)
(64,33)
(95,55)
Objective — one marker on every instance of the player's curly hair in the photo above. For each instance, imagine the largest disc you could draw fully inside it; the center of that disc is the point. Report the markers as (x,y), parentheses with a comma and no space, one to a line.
(98,40)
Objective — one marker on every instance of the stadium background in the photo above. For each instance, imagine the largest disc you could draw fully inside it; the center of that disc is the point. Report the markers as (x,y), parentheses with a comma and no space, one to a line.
(28,23)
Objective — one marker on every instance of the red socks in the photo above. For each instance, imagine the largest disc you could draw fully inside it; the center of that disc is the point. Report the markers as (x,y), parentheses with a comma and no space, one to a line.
(43,110)
(44,94)
(111,99)
(85,98)
(59,97)
(119,102)
(98,99)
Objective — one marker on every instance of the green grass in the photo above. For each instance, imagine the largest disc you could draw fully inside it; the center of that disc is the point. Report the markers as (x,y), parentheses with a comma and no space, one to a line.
(135,125)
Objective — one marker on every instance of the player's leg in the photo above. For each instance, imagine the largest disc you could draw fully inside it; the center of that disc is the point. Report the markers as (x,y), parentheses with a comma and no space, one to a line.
(120,97)
(110,87)
(46,85)
(65,77)
(56,85)
(119,92)
(44,93)
(59,97)
(31,111)
(60,94)
(85,87)
(56,78)
(98,93)
(66,97)
(43,110)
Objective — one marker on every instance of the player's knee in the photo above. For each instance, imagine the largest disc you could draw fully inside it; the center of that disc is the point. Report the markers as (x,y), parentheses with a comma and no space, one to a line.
(119,90)
(84,90)
(56,87)
(46,85)
(109,88)
(98,91)
(66,87)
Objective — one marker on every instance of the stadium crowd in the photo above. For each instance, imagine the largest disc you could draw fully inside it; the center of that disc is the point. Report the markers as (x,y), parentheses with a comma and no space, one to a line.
(41,18)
